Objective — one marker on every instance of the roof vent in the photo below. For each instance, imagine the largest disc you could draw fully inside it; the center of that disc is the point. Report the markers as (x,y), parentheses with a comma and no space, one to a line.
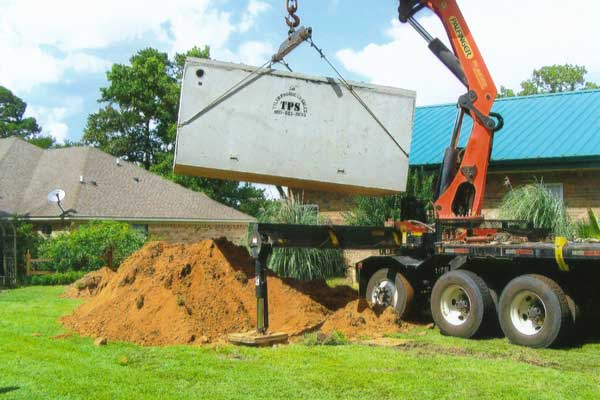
(81,179)
(118,162)
(136,179)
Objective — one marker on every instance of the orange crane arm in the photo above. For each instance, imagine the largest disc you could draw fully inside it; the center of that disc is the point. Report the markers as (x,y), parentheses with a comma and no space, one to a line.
(461,186)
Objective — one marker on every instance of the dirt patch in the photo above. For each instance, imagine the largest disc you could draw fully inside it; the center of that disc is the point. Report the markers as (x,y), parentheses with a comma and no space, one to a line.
(199,293)
(89,285)
(358,319)
(430,349)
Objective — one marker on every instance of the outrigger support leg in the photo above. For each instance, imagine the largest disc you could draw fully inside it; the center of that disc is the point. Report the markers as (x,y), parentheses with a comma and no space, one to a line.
(260,253)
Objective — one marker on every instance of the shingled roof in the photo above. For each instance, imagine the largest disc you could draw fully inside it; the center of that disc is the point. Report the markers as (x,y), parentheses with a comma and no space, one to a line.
(109,190)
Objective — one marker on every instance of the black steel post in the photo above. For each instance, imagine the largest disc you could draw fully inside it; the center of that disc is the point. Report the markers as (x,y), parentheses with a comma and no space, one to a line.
(262,294)
(260,253)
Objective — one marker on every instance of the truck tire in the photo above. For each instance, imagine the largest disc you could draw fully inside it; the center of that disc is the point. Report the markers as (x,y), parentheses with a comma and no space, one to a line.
(390,288)
(462,305)
(534,312)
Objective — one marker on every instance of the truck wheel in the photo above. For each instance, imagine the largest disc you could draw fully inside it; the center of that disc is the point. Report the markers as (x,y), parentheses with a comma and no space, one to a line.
(390,288)
(534,311)
(462,305)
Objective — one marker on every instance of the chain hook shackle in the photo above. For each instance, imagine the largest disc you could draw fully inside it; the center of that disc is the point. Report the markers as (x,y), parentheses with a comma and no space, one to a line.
(292,20)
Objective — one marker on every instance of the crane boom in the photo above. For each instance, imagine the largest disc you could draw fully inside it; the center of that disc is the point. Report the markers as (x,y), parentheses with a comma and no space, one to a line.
(461,186)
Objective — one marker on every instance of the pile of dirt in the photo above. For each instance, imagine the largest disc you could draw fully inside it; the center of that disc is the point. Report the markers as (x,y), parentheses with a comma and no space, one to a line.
(90,284)
(358,319)
(198,293)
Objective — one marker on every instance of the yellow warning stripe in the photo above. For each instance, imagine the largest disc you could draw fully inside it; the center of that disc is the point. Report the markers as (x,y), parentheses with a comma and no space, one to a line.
(559,244)
(334,240)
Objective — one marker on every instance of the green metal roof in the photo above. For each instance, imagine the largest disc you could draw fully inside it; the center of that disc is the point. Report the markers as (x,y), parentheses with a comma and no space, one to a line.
(562,127)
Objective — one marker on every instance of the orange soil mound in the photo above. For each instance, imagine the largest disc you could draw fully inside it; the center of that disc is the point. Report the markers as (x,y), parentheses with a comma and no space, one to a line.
(90,284)
(174,294)
(358,319)
(198,293)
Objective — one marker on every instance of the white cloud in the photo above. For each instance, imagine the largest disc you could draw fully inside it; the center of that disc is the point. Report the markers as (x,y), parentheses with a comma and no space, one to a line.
(81,62)
(60,37)
(53,119)
(74,28)
(255,53)
(255,8)
(515,37)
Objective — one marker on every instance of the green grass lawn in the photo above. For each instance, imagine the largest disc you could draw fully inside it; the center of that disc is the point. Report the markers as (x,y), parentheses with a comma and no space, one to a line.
(36,365)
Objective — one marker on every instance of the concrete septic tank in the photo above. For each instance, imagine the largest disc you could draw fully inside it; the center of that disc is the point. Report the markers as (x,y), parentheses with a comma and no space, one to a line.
(291,129)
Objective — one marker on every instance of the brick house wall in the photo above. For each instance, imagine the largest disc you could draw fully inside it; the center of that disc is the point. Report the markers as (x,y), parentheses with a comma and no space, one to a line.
(193,232)
(168,232)
(580,189)
(332,206)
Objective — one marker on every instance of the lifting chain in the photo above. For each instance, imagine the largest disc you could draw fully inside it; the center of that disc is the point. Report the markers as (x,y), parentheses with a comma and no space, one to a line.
(292,20)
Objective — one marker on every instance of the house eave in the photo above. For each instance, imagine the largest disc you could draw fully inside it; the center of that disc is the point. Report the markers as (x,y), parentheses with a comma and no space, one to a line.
(557,164)
(139,220)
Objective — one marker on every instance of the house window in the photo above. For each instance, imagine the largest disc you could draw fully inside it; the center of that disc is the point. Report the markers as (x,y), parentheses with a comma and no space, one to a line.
(47,229)
(556,189)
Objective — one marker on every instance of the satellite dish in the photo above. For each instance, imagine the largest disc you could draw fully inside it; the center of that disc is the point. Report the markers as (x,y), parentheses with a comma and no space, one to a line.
(56,196)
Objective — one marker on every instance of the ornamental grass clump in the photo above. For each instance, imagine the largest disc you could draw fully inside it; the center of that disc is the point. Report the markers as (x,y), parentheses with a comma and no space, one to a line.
(301,263)
(589,229)
(536,204)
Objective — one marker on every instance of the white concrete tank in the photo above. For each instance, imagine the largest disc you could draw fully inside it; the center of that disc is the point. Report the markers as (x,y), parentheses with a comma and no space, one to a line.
(293,130)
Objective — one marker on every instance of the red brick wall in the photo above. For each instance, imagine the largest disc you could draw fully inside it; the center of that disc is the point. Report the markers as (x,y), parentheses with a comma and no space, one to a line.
(177,233)
(332,206)
(581,190)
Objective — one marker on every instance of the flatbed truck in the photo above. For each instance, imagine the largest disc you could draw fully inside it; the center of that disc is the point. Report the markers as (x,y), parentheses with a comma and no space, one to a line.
(476,276)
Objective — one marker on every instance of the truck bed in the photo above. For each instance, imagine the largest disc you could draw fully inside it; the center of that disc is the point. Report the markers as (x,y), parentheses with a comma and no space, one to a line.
(373,238)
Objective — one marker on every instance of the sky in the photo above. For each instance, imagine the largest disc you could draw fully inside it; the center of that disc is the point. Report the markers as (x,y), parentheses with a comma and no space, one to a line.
(55,54)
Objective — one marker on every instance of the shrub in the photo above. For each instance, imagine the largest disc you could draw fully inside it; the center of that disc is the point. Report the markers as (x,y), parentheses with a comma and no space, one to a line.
(27,240)
(86,248)
(301,263)
(335,338)
(59,278)
(376,210)
(535,204)
(589,229)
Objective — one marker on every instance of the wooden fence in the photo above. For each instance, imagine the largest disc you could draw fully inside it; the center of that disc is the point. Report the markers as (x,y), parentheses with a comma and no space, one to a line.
(29,262)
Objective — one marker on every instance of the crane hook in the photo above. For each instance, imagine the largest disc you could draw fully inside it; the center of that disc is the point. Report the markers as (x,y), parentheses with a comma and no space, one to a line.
(292,6)
(292,20)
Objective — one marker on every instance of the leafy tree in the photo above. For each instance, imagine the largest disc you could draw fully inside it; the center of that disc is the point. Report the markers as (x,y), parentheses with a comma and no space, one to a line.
(12,121)
(180,58)
(45,142)
(505,92)
(553,79)
(138,121)
(139,109)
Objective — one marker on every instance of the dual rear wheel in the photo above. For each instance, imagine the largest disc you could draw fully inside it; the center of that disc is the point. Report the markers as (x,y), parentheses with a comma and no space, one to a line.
(389,288)
(532,311)
(463,305)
